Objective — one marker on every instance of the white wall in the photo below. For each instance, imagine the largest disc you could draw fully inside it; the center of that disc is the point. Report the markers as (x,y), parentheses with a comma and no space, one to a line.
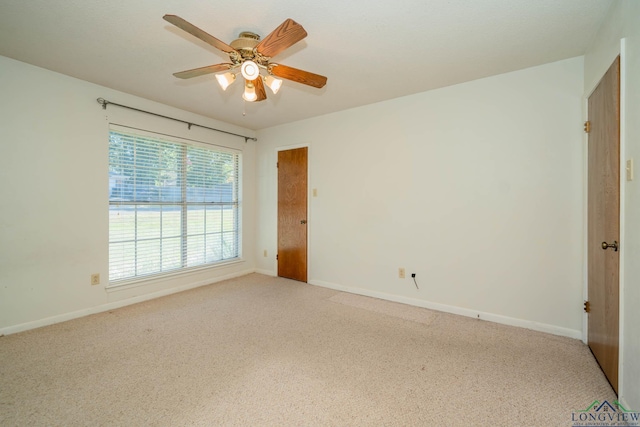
(477,188)
(624,22)
(54,195)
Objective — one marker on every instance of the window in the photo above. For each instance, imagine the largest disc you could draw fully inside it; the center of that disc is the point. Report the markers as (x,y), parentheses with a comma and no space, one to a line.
(172,205)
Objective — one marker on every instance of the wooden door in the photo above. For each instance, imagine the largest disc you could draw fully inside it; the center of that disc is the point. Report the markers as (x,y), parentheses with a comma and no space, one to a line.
(292,214)
(604,222)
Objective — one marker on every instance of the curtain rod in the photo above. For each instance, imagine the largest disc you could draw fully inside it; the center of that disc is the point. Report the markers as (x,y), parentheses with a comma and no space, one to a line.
(104,104)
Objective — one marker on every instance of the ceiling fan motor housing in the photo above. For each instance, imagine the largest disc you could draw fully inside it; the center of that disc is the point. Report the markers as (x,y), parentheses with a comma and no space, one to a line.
(245,44)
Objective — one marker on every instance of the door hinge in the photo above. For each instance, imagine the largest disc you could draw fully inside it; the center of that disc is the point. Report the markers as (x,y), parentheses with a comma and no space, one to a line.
(587,307)
(277,164)
(276,257)
(587,126)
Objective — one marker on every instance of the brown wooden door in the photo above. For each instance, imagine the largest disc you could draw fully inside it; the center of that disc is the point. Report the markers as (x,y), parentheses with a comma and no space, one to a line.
(604,222)
(292,214)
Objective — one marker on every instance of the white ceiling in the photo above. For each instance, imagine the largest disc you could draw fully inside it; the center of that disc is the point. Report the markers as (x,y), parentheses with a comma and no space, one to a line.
(370,51)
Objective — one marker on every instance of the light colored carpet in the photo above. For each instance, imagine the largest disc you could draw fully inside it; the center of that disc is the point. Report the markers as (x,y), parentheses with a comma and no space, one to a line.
(259,350)
(402,311)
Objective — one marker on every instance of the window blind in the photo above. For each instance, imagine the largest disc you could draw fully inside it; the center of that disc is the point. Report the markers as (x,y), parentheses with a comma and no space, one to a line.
(172,205)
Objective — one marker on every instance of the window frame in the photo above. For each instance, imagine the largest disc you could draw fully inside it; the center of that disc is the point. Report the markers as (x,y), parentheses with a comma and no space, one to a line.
(184,204)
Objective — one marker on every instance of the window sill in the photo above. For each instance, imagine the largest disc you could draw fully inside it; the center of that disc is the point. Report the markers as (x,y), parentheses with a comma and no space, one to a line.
(146,280)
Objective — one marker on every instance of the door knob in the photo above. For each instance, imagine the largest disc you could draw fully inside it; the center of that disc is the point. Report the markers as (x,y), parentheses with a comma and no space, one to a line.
(304,221)
(613,245)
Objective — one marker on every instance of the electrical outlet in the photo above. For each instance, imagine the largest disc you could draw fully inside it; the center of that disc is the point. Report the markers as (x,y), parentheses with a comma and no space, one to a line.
(401,273)
(95,279)
(264,253)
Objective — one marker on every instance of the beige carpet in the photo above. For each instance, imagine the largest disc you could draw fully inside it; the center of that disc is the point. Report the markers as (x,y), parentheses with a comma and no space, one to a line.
(266,351)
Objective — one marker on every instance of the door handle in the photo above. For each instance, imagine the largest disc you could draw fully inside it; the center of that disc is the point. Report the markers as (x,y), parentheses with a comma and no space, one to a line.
(613,245)
(304,221)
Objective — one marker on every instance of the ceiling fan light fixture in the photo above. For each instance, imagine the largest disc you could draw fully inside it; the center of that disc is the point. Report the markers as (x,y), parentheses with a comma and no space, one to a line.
(249,92)
(250,70)
(273,83)
(225,80)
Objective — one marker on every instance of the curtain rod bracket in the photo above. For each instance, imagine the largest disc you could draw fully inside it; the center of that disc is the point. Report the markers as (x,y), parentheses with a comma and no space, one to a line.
(104,104)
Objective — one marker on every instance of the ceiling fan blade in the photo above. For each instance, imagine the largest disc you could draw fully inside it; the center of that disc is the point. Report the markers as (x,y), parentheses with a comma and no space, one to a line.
(260,92)
(209,69)
(286,35)
(195,31)
(299,76)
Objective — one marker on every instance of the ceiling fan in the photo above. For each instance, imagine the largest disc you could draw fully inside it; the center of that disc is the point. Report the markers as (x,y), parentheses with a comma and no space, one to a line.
(252,57)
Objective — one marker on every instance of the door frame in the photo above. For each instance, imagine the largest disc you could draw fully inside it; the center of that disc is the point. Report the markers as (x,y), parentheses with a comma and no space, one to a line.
(621,219)
(309,215)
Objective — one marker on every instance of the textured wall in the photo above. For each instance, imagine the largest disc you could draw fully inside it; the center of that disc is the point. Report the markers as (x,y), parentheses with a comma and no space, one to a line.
(54,195)
(477,188)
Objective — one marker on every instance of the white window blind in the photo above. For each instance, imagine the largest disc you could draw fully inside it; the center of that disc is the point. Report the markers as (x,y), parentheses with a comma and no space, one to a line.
(172,205)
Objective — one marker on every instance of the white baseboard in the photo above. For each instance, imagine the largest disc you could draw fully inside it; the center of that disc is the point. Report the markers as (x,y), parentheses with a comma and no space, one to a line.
(496,318)
(116,304)
(536,326)
(624,403)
